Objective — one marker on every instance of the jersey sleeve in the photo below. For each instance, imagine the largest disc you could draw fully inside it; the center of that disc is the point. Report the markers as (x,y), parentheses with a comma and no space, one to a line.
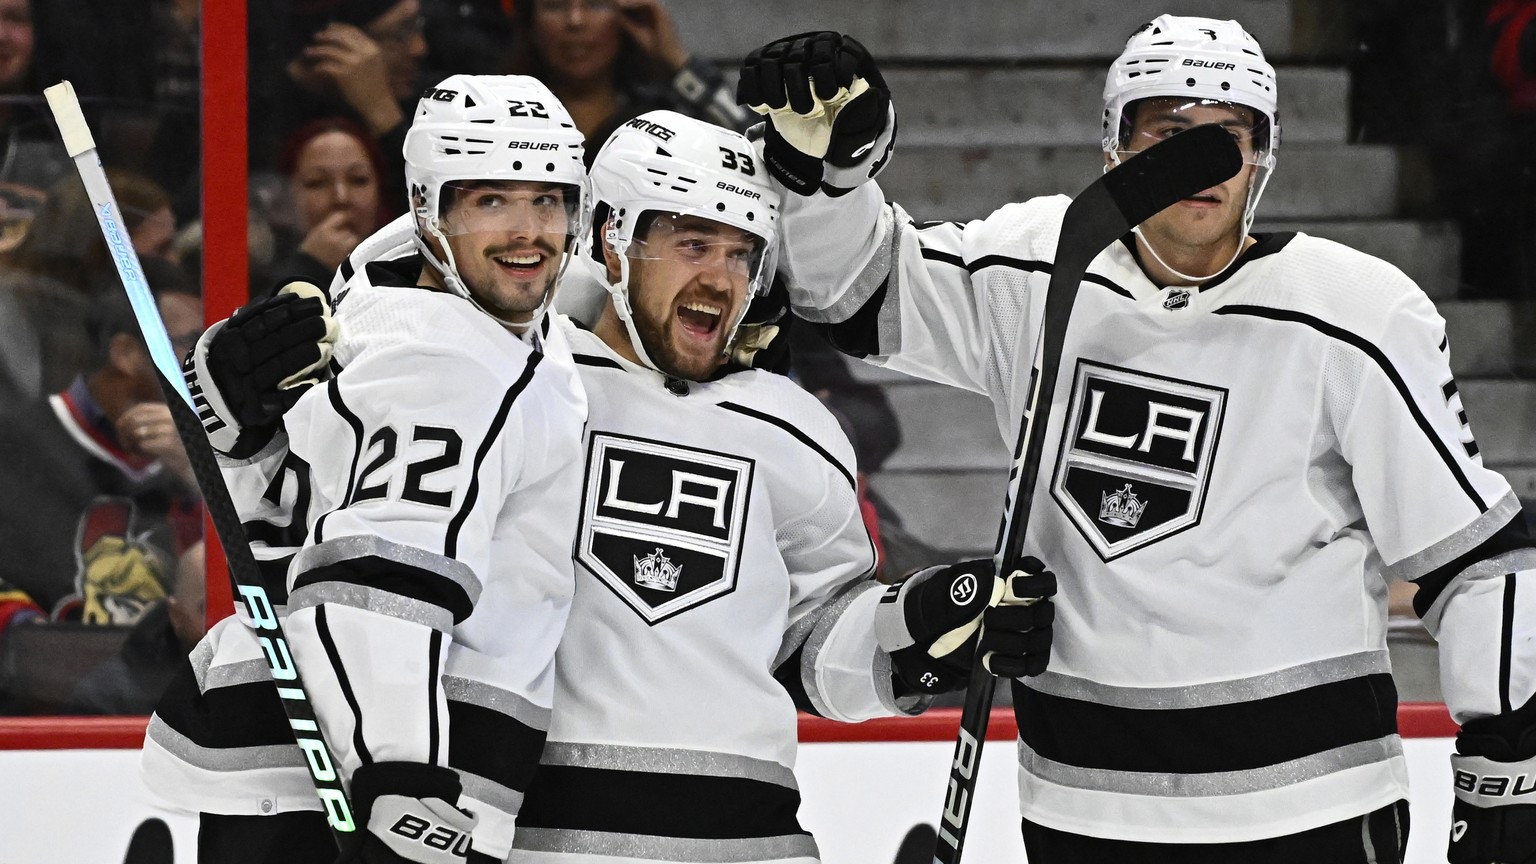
(1438,516)
(893,292)
(829,660)
(412,453)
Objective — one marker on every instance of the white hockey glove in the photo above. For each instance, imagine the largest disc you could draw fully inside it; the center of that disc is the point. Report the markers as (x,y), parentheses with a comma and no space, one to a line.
(407,815)
(831,125)
(928,623)
(1493,819)
(247,370)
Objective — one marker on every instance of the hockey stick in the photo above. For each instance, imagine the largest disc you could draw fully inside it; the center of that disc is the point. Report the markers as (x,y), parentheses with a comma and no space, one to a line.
(1124,197)
(184,412)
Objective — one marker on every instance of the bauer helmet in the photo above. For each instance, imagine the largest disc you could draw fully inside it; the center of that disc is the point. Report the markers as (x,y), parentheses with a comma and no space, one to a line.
(491,127)
(665,163)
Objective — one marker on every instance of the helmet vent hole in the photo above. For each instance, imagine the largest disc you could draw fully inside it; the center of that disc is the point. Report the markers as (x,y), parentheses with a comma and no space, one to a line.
(1226,86)
(661,152)
(686,180)
(1189,82)
(517,166)
(549,166)
(720,205)
(469,101)
(679,189)
(751,216)
(450,151)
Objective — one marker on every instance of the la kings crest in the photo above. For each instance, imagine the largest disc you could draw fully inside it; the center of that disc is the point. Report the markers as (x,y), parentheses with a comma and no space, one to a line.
(661,525)
(1135,457)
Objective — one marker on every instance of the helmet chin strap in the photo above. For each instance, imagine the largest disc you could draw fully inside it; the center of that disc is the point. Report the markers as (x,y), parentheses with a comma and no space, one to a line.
(620,292)
(449,272)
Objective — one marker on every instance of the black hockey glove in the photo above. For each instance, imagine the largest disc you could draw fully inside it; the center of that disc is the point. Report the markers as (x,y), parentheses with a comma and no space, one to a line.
(406,815)
(252,367)
(928,624)
(831,125)
(1493,819)
(762,340)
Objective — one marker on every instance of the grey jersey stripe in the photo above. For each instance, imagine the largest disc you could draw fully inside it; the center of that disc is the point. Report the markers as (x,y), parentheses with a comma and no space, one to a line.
(667,760)
(820,633)
(1166,785)
(223,758)
(367,546)
(1496,567)
(1217,692)
(867,282)
(235,674)
(374,600)
(1457,544)
(679,849)
(503,798)
(494,698)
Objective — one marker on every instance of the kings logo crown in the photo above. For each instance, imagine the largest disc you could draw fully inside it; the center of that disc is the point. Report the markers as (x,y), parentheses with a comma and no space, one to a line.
(1122,508)
(656,571)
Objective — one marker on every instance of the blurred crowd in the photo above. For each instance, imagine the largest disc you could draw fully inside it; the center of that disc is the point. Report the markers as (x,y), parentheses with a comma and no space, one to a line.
(101,586)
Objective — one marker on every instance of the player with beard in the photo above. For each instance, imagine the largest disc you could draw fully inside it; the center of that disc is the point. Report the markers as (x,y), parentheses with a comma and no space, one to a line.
(412,515)
(1253,435)
(723,568)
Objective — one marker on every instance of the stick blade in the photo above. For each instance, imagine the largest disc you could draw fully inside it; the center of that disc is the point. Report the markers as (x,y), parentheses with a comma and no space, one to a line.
(1171,170)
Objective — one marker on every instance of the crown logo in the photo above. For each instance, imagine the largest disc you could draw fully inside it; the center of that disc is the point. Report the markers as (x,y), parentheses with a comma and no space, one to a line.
(656,571)
(1122,508)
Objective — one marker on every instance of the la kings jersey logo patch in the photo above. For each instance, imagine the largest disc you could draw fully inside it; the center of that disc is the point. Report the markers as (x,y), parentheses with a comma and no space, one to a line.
(661,525)
(1135,460)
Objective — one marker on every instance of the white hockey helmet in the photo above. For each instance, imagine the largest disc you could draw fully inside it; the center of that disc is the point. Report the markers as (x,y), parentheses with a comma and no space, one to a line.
(666,163)
(492,127)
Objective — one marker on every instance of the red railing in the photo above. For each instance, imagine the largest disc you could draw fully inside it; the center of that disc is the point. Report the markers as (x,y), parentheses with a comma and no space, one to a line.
(1414,720)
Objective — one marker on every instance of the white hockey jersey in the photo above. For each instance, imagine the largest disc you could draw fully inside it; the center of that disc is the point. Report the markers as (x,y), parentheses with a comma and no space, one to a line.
(426,488)
(1231,476)
(723,577)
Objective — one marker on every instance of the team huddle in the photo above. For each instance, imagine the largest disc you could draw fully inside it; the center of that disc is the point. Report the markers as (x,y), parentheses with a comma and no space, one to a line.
(559,585)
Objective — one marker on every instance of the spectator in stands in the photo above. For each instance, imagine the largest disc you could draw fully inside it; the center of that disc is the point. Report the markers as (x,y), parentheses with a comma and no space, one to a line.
(360,58)
(610,61)
(332,167)
(466,37)
(131,682)
(99,495)
(29,151)
(47,283)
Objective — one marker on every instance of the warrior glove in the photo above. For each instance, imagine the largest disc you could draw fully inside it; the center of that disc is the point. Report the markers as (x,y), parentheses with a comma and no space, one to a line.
(929,622)
(831,125)
(249,369)
(1493,819)
(406,815)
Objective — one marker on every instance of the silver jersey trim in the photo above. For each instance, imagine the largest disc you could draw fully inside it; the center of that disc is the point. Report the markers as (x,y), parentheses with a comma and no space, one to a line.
(1218,783)
(826,621)
(678,849)
(496,699)
(1217,692)
(667,760)
(1497,567)
(365,546)
(1458,544)
(882,264)
(223,758)
(373,600)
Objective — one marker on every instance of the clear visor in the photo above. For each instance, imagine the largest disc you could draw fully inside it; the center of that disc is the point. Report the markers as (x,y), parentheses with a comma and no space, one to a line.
(510,207)
(709,247)
(1149,121)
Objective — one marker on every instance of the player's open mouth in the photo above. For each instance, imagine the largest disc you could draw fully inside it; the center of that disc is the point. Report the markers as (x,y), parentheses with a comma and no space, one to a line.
(1207,200)
(698,319)
(521,265)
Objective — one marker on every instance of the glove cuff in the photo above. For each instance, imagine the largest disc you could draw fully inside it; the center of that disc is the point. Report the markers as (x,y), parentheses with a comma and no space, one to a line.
(219,424)
(892,633)
(1483,782)
(798,172)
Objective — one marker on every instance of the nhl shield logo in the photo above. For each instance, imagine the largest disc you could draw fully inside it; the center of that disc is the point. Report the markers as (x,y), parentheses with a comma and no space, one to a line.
(1136,455)
(661,525)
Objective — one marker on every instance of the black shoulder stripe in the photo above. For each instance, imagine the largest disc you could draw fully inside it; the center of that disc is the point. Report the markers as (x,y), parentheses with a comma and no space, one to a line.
(593,360)
(333,392)
(1025,265)
(1513,535)
(799,436)
(451,542)
(323,630)
(1376,355)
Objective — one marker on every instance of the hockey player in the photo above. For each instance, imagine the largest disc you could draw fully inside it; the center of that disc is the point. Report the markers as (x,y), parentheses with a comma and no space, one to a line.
(418,489)
(1252,436)
(723,569)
